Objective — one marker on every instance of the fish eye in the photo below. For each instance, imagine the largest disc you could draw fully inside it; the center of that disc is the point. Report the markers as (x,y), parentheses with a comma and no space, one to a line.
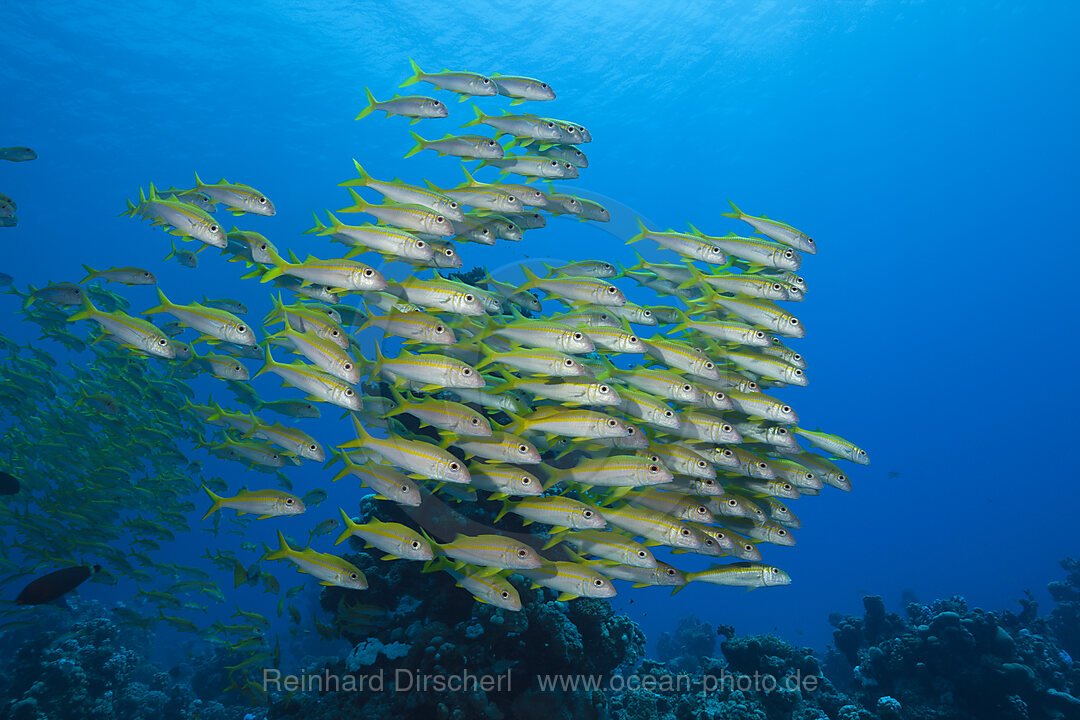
(474,421)
(684,531)
(440,329)
(491,143)
(213,228)
(526,480)
(334,333)
(348,392)
(448,252)
(727,453)
(568,362)
(454,466)
(288,501)
(146,274)
(612,289)
(486,81)
(262,201)
(543,85)
(785,409)
(404,488)
(732,503)
(687,388)
(347,366)
(782,431)
(162,341)
(598,582)
(504,594)
(439,219)
(654,468)
(368,272)
(485,231)
(554,164)
(798,372)
(788,254)
(522,553)
(469,297)
(714,250)
(709,366)
(794,321)
(241,328)
(780,531)
(352,576)
(701,463)
(604,388)
(762,465)
(726,428)
(466,371)
(633,338)
(612,422)
(646,313)
(577,336)
(586,513)
(630,430)
(668,413)
(523,448)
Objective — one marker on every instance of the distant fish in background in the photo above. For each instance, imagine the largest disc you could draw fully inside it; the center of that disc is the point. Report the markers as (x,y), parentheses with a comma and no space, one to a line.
(17,154)
(55,585)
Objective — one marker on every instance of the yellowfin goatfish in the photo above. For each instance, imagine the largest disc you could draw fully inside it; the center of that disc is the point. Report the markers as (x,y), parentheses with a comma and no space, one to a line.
(465,84)
(409,217)
(212,322)
(125,275)
(329,569)
(522,88)
(689,246)
(532,166)
(444,414)
(238,198)
(264,503)
(410,106)
(491,551)
(335,273)
(775,230)
(566,288)
(421,458)
(388,482)
(742,574)
(504,480)
(555,510)
(183,218)
(318,384)
(395,539)
(407,194)
(835,444)
(608,545)
(489,589)
(470,147)
(130,330)
(571,580)
(520,126)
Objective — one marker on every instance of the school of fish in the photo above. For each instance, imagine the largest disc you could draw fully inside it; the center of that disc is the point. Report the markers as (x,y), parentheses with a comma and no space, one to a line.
(574,433)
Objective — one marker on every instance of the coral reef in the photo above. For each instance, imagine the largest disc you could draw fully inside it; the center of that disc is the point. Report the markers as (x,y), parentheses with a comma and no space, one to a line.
(441,637)
(81,665)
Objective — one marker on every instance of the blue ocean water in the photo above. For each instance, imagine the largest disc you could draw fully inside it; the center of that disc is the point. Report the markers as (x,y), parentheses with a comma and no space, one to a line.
(929,148)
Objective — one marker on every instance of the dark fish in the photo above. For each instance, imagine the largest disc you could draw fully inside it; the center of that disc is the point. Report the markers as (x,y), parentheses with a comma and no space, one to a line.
(9,484)
(55,585)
